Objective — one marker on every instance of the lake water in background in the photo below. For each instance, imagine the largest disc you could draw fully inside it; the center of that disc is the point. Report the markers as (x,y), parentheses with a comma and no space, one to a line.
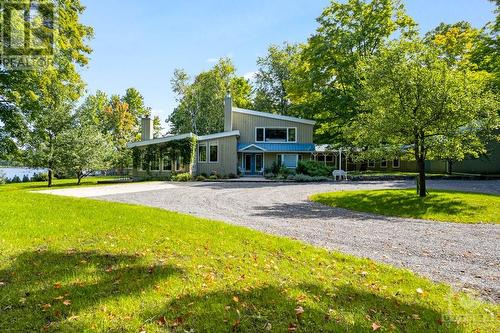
(20,172)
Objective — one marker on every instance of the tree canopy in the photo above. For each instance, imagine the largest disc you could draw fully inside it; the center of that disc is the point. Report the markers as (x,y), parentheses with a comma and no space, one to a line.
(200,108)
(416,100)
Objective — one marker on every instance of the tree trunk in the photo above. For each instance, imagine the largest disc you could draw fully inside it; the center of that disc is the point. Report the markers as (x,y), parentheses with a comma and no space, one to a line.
(49,176)
(80,176)
(422,189)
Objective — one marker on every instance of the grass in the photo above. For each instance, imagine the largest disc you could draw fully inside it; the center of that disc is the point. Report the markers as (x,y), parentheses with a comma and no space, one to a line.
(391,173)
(448,206)
(72,265)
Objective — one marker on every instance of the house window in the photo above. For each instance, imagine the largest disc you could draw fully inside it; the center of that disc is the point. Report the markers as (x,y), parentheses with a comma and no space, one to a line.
(285,134)
(202,153)
(396,163)
(155,164)
(276,134)
(329,158)
(144,163)
(179,165)
(371,164)
(321,158)
(288,160)
(383,163)
(214,152)
(259,135)
(167,164)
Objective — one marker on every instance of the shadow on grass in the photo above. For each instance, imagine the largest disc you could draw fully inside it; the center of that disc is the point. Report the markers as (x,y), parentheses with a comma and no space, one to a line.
(405,204)
(341,309)
(37,284)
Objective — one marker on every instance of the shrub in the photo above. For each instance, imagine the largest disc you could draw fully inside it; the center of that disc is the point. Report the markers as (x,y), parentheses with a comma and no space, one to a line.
(314,169)
(214,173)
(306,178)
(213,177)
(232,176)
(275,168)
(3,180)
(182,177)
(269,175)
(201,178)
(40,177)
(204,174)
(26,179)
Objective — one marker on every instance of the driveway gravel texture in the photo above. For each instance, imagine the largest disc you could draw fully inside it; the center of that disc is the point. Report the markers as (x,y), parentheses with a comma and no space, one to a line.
(463,255)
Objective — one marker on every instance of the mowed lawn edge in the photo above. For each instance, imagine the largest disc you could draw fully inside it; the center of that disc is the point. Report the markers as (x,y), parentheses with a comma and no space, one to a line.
(78,264)
(439,205)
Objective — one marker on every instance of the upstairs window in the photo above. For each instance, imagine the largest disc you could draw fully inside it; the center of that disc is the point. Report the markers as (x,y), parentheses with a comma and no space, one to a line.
(278,134)
(259,135)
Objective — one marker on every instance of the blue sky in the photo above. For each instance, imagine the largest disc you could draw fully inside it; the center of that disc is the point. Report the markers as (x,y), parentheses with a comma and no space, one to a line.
(139,43)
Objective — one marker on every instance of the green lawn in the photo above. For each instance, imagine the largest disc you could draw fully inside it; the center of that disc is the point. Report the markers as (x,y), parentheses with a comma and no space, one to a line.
(82,265)
(450,206)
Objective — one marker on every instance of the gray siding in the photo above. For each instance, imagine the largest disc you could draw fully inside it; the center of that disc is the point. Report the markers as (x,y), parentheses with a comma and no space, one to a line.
(246,124)
(228,157)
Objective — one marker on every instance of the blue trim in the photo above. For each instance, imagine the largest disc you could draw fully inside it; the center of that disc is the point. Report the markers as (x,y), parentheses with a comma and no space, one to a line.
(278,147)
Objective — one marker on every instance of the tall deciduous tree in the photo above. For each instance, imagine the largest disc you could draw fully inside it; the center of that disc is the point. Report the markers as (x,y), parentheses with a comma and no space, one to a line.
(82,150)
(414,98)
(200,108)
(271,80)
(36,104)
(326,81)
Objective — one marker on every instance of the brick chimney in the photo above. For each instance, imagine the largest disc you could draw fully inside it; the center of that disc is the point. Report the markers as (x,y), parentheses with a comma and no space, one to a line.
(146,128)
(228,113)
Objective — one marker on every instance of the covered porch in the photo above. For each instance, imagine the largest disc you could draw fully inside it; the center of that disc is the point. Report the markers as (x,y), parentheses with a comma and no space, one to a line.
(255,158)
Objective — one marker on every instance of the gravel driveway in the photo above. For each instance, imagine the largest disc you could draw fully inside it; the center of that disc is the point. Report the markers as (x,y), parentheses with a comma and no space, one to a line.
(466,256)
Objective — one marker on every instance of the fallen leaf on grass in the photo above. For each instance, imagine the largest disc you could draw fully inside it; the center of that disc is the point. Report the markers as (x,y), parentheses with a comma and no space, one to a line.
(162,321)
(420,291)
(292,328)
(46,306)
(67,302)
(375,326)
(236,299)
(57,285)
(299,311)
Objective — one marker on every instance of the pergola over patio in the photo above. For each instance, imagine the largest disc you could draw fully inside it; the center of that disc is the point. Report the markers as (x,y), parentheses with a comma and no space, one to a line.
(330,156)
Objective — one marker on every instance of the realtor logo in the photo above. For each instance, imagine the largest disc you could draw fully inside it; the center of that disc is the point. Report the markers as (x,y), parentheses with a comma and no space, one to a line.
(27,31)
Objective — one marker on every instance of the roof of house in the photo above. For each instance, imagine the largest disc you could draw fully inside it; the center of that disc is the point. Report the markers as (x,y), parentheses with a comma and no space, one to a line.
(218,135)
(181,137)
(276,147)
(160,140)
(274,116)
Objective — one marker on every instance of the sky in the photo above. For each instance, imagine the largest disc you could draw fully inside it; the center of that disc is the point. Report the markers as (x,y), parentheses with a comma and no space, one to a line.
(139,43)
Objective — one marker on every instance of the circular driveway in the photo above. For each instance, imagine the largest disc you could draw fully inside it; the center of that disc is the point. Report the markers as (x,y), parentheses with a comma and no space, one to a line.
(464,255)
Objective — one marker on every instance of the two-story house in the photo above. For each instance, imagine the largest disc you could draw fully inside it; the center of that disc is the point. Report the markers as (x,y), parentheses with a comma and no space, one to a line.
(251,142)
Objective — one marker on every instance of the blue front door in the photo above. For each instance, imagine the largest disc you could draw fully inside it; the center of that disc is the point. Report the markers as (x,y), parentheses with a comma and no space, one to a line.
(253,163)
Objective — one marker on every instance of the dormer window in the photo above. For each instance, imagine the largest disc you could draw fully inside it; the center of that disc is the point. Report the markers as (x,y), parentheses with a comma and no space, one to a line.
(275,134)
